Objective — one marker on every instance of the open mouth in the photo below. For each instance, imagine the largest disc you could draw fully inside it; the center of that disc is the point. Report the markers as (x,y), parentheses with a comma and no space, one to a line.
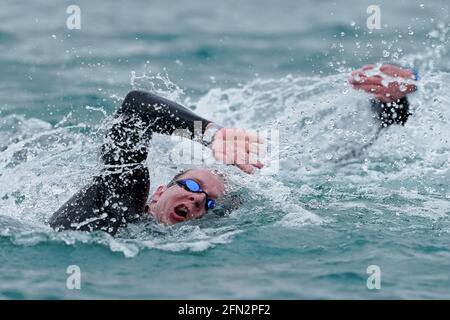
(181,210)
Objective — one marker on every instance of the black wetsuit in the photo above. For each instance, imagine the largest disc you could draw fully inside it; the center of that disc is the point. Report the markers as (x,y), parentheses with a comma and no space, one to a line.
(118,195)
(392,113)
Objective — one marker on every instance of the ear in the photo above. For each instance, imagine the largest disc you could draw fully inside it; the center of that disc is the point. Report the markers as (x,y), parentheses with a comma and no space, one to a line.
(158,193)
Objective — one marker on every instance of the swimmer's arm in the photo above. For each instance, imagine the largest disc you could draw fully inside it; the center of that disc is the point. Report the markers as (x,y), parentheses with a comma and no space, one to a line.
(141,115)
(118,196)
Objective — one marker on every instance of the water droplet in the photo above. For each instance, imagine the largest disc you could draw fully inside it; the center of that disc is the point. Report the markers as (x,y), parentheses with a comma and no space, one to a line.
(402,87)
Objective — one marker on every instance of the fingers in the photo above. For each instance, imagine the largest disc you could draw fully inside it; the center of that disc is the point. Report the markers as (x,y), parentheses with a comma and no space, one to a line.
(368,67)
(363,79)
(255,149)
(380,92)
(373,84)
(246,168)
(359,76)
(237,155)
(258,164)
(364,68)
(390,93)
(241,134)
(371,88)
(410,88)
(395,71)
(239,147)
(250,168)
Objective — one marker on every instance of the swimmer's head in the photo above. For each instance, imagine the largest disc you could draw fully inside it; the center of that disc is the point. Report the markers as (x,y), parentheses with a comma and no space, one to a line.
(174,202)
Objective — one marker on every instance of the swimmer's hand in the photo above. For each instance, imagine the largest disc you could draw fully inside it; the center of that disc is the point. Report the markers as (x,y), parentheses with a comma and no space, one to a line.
(387,82)
(238,147)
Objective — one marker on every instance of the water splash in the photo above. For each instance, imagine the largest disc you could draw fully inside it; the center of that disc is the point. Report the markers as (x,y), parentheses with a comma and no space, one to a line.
(43,165)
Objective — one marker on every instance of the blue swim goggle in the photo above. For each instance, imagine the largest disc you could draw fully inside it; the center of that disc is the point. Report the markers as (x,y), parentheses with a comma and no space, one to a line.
(193,186)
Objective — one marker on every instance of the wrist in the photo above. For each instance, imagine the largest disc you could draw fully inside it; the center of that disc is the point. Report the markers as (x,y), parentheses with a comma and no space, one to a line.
(415,72)
(210,132)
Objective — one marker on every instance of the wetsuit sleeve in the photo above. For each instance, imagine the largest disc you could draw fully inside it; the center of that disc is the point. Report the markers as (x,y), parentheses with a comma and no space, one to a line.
(119,194)
(141,115)
(393,112)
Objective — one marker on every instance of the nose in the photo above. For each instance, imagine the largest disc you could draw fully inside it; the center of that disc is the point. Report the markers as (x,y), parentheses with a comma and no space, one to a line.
(198,200)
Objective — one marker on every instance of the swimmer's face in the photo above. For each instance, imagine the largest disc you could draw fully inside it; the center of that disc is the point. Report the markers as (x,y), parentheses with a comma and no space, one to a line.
(174,204)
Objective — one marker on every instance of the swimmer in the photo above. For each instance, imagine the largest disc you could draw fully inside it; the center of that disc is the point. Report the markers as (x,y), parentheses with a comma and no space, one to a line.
(390,85)
(119,194)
